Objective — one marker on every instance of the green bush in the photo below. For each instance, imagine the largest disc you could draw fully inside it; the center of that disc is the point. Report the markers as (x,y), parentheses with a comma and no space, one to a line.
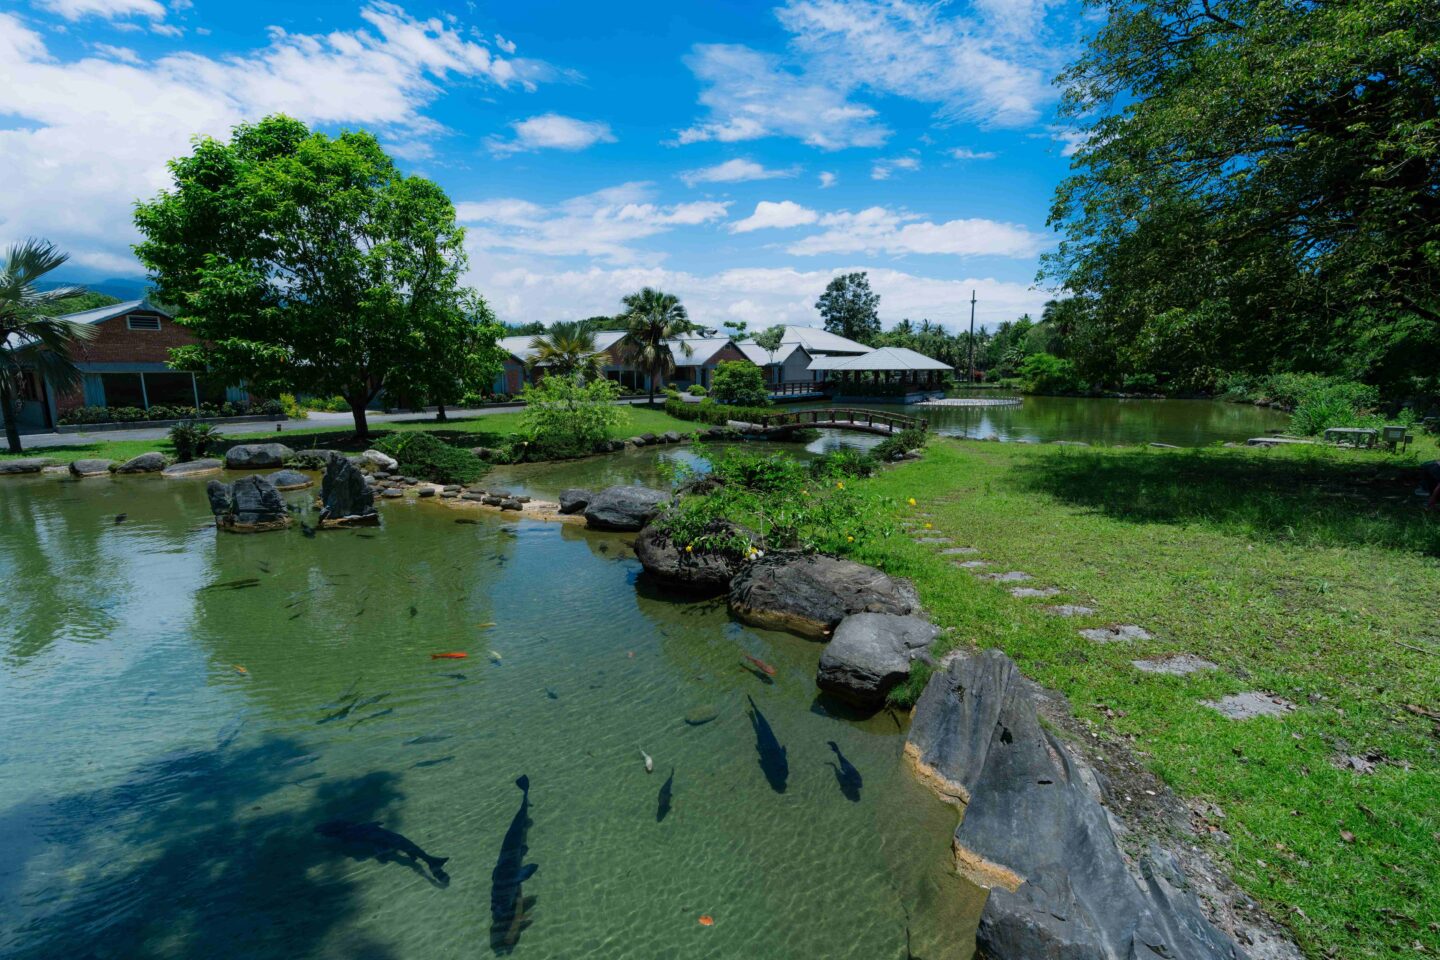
(842,464)
(896,445)
(426,456)
(193,440)
(739,383)
(695,390)
(708,411)
(565,417)
(291,407)
(1045,373)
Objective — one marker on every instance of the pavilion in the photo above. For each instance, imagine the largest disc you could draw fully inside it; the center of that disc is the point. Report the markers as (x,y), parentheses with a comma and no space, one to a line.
(888,371)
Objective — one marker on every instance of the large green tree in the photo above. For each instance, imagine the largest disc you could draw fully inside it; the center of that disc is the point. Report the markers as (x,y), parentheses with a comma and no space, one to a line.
(655,317)
(306,262)
(471,365)
(850,308)
(1258,186)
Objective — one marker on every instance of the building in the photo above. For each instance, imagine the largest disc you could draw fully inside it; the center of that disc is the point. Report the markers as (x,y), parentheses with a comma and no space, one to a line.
(705,354)
(894,374)
(789,364)
(793,363)
(125,365)
(519,353)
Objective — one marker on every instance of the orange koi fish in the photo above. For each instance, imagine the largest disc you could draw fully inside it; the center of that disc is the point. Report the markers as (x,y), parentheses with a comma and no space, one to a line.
(768,670)
(449,656)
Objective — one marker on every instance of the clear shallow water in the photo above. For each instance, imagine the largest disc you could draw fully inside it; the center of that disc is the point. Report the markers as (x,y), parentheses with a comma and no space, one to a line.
(166,762)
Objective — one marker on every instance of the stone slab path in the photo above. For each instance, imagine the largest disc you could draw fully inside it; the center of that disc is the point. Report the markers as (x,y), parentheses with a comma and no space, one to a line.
(1121,631)
(1247,706)
(1069,610)
(1176,666)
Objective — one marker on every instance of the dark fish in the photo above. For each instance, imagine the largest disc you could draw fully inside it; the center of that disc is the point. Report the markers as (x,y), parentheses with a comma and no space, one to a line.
(550,692)
(307,778)
(427,738)
(373,716)
(228,733)
(455,676)
(667,797)
(297,615)
(508,905)
(773,762)
(413,611)
(467,520)
(306,529)
(382,844)
(264,567)
(340,714)
(846,775)
(368,701)
(360,613)
(301,761)
(433,763)
(121,517)
(240,584)
(366,536)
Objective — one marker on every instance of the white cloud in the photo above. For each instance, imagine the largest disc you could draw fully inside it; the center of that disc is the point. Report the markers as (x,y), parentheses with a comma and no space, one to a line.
(553,131)
(751,95)
(123,54)
(57,184)
(827,180)
(106,9)
(1070,139)
(882,169)
(965,153)
(507,45)
(604,224)
(734,171)
(769,215)
(167,29)
(879,230)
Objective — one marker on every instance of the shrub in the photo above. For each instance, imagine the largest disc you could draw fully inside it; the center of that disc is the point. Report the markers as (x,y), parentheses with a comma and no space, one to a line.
(708,411)
(695,390)
(899,444)
(739,383)
(841,464)
(1046,373)
(193,440)
(291,407)
(425,455)
(566,417)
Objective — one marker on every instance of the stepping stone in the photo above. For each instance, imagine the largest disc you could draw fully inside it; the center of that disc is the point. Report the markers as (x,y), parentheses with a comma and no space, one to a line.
(1025,593)
(1245,706)
(1124,631)
(934,540)
(1014,576)
(1070,610)
(1176,666)
(957,551)
(972,564)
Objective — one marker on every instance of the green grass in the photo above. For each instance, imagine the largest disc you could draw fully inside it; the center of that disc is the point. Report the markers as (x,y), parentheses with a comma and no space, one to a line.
(1307,573)
(479,431)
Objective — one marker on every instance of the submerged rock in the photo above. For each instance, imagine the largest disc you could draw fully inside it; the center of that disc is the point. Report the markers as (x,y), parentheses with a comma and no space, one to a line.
(192,468)
(624,508)
(810,595)
(871,653)
(345,497)
(706,572)
(257,456)
(249,505)
(24,465)
(152,462)
(701,715)
(91,468)
(1035,834)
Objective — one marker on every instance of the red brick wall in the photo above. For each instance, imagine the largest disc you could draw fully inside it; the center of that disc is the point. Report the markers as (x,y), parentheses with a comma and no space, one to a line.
(116,343)
(727,352)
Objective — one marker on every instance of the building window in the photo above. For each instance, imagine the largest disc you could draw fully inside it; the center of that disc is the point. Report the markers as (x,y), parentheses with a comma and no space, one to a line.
(123,390)
(142,323)
(170,389)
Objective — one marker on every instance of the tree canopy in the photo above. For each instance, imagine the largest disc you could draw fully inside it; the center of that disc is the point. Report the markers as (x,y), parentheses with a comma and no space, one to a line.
(305,262)
(850,308)
(654,317)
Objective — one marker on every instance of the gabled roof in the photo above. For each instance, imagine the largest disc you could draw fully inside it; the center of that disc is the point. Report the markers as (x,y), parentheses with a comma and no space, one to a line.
(702,349)
(94,316)
(884,359)
(520,349)
(817,341)
(761,357)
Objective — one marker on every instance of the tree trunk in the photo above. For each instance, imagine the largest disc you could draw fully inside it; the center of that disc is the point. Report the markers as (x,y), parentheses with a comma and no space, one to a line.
(12,429)
(440,413)
(362,428)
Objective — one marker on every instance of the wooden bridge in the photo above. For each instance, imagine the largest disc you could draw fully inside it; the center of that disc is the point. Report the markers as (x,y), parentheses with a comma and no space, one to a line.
(842,418)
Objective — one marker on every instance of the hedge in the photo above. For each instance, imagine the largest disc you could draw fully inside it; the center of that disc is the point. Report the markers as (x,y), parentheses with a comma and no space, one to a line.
(715,414)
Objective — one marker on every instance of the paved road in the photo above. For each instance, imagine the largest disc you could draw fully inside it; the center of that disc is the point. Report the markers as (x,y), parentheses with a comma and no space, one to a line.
(317,418)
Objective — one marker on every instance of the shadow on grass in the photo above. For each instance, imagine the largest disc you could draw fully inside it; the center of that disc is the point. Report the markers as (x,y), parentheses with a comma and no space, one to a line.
(201,853)
(1308,501)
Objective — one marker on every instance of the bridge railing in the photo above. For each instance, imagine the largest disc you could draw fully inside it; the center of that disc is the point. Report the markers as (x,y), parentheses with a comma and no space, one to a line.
(844,415)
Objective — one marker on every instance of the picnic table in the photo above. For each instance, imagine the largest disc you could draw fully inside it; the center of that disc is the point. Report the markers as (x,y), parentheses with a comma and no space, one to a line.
(1355,436)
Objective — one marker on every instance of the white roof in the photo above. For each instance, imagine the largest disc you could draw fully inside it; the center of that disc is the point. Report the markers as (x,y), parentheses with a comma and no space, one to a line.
(520,349)
(761,357)
(884,359)
(702,349)
(817,341)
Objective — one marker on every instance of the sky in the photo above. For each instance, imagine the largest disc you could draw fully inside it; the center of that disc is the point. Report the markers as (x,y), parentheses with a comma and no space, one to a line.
(738,155)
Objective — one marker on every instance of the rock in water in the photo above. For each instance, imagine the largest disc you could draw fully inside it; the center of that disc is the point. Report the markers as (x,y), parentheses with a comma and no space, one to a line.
(706,572)
(574,500)
(249,505)
(289,480)
(192,468)
(345,496)
(871,653)
(624,508)
(257,456)
(24,465)
(810,595)
(1035,834)
(701,715)
(91,468)
(145,463)
(378,461)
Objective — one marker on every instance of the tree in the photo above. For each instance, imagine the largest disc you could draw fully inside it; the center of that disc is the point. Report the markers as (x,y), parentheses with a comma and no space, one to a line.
(305,263)
(568,350)
(848,307)
(770,339)
(740,383)
(471,366)
(86,300)
(567,416)
(654,318)
(736,329)
(25,322)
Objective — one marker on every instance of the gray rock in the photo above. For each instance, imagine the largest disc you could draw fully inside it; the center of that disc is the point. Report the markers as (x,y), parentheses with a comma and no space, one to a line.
(313,458)
(24,465)
(290,480)
(425,492)
(1118,632)
(1028,592)
(1164,446)
(493,499)
(701,715)
(91,468)
(486,453)
(257,456)
(1014,576)
(670,436)
(448,494)
(1070,610)
(810,595)
(1176,666)
(636,441)
(376,460)
(145,463)
(624,508)
(1035,833)
(250,504)
(707,573)
(390,493)
(473,497)
(1246,706)
(192,468)
(344,493)
(574,500)
(957,551)
(510,503)
(649,438)
(870,653)
(972,564)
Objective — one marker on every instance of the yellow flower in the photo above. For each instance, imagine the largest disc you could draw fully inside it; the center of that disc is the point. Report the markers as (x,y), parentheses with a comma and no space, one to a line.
(839,484)
(689,548)
(912,501)
(849,539)
(929,526)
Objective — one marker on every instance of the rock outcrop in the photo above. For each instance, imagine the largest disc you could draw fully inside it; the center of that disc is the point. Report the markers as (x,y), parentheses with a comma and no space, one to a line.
(706,572)
(257,456)
(624,508)
(346,499)
(574,500)
(24,465)
(91,468)
(145,463)
(870,653)
(375,460)
(810,595)
(249,505)
(192,468)
(1035,834)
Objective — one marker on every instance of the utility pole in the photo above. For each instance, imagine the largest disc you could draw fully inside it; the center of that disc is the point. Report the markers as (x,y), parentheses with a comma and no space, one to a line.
(972,338)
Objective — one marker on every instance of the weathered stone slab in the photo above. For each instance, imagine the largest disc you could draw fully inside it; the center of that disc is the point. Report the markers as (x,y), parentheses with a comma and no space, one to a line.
(1024,593)
(91,468)
(1116,633)
(1176,666)
(958,551)
(249,505)
(1247,706)
(1070,610)
(810,595)
(1013,576)
(290,480)
(706,572)
(192,468)
(972,564)
(24,465)
(152,462)
(624,508)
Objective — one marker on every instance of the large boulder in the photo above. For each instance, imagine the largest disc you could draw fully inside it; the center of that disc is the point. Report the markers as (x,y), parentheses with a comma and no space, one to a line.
(249,505)
(91,468)
(257,456)
(706,572)
(24,465)
(810,595)
(870,653)
(375,460)
(289,480)
(192,468)
(145,463)
(624,508)
(345,497)
(574,500)
(1035,834)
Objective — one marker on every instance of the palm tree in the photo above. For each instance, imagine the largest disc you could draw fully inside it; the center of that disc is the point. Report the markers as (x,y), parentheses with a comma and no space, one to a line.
(24,323)
(568,349)
(655,317)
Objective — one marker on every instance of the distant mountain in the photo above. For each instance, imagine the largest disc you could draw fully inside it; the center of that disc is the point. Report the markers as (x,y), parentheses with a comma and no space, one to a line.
(122,288)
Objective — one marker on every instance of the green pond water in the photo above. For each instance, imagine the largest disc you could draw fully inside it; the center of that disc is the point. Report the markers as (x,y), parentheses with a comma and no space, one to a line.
(180,709)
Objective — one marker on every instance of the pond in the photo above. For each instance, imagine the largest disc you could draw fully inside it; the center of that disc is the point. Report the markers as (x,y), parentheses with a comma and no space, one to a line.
(1184,423)
(182,709)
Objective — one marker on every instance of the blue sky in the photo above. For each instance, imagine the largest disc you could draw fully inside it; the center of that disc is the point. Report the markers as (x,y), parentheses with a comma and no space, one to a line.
(736,154)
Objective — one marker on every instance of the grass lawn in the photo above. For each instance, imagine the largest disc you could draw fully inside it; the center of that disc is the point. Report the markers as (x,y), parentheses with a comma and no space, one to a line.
(487,430)
(1310,574)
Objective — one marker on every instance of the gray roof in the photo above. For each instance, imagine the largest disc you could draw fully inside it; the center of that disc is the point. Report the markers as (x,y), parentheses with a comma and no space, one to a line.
(817,341)
(884,359)
(761,357)
(520,349)
(702,349)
